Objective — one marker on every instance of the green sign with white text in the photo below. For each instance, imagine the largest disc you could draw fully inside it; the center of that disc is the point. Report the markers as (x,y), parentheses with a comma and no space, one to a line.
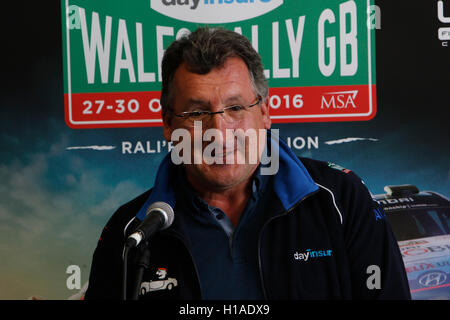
(319,56)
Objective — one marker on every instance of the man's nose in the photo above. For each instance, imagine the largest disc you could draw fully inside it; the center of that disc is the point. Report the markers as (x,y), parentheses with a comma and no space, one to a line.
(217,121)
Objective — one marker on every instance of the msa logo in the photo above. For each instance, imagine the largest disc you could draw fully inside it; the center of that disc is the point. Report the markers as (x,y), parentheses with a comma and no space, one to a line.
(444,32)
(214,11)
(339,100)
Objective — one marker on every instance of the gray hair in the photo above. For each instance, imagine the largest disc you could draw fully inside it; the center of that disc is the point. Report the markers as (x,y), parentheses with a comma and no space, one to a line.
(206,49)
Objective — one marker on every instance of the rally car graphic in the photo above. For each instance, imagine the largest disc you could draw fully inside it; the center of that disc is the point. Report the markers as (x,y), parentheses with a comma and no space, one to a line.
(162,283)
(421,224)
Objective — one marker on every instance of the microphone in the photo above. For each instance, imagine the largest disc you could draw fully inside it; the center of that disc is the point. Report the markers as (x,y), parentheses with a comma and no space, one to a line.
(159,217)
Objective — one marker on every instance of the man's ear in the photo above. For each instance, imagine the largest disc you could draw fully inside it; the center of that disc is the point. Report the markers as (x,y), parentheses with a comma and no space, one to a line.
(167,127)
(265,113)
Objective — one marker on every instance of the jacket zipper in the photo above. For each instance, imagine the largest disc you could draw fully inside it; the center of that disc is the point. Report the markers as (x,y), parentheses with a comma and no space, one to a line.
(262,231)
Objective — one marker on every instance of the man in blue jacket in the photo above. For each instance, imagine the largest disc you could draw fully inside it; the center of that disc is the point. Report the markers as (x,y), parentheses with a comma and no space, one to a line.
(306,230)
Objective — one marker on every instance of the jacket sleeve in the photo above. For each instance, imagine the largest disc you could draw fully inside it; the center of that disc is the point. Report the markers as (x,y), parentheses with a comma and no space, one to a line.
(105,279)
(377,269)
(106,268)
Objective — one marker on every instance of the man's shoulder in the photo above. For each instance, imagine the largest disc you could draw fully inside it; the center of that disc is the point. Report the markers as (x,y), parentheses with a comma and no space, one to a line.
(349,193)
(324,171)
(136,203)
(126,212)
(332,176)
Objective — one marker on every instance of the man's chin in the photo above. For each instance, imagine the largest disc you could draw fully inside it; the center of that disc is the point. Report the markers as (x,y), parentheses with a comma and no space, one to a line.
(221,176)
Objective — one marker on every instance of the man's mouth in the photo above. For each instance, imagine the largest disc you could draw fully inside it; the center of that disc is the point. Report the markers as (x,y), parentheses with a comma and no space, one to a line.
(224,153)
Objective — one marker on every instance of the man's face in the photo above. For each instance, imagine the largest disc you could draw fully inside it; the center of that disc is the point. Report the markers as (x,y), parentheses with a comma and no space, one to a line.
(220,88)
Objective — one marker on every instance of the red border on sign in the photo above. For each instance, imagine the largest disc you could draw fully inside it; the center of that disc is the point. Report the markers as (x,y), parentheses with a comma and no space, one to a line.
(287,105)
(430,288)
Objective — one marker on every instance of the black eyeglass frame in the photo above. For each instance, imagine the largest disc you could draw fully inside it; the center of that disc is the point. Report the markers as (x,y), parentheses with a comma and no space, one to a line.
(186,114)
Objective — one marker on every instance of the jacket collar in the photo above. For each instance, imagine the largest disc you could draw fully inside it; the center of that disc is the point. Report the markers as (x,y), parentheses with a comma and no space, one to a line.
(291,183)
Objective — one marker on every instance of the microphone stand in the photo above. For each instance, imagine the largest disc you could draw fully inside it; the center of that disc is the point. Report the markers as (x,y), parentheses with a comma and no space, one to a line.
(143,263)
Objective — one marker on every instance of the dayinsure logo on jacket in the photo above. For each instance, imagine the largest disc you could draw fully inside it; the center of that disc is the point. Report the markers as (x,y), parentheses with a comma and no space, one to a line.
(312,254)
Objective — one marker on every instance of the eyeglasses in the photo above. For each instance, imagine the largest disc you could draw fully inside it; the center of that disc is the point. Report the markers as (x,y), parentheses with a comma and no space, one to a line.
(232,113)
